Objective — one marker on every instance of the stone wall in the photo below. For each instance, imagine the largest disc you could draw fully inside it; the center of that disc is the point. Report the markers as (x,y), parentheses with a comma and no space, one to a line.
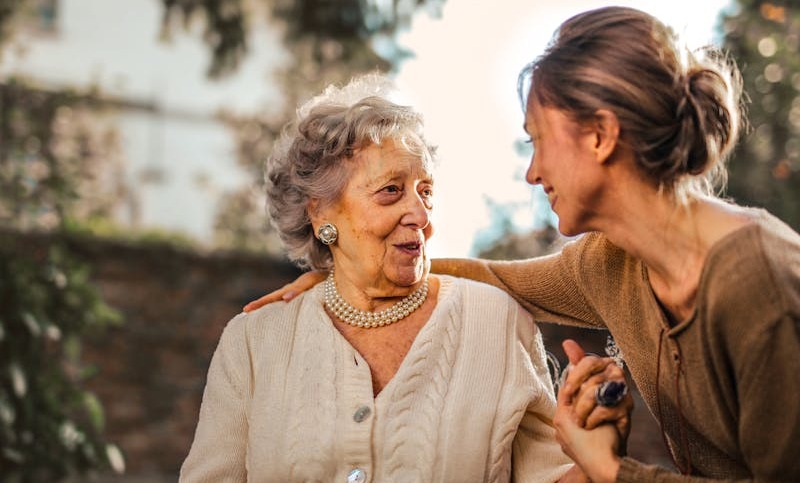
(151,370)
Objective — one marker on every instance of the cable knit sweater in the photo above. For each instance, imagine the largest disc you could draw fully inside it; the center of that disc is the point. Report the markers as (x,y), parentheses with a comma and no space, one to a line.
(289,399)
(731,371)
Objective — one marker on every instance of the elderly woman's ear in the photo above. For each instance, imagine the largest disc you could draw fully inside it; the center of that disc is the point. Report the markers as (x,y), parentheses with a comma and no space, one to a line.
(324,228)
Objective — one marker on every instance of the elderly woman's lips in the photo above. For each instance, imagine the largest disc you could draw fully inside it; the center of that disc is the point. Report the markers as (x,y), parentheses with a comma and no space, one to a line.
(413,248)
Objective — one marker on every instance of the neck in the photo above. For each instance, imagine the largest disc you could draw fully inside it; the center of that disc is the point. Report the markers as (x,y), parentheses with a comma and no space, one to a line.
(371,296)
(354,316)
(672,239)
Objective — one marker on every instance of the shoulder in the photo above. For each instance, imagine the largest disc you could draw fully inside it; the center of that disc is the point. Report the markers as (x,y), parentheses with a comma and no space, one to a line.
(269,322)
(603,272)
(593,254)
(486,309)
(755,268)
(471,293)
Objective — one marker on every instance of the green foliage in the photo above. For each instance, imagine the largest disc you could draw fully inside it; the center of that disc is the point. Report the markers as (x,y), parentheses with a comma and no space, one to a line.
(343,28)
(225,31)
(58,158)
(764,38)
(106,228)
(8,8)
(50,427)
(51,151)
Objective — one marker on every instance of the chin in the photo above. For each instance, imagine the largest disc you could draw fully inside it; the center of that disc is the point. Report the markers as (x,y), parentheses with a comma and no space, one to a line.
(567,229)
(408,276)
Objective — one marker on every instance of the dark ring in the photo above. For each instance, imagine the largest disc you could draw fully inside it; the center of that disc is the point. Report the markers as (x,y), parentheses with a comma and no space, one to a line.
(610,393)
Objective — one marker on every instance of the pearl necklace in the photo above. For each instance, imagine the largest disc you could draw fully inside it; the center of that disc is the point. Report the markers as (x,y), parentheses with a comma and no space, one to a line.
(362,318)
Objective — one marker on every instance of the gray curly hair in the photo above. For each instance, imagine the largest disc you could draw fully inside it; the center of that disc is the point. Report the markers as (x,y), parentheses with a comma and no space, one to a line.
(310,160)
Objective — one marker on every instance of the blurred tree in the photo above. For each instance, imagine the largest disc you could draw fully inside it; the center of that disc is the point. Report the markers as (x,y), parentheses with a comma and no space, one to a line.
(8,9)
(764,38)
(342,29)
(510,245)
(51,148)
(60,160)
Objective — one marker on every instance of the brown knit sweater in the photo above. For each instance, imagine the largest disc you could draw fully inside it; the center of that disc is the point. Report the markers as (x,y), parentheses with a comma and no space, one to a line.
(724,384)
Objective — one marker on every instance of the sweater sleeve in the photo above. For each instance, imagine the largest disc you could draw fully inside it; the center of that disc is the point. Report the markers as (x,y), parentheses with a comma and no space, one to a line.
(219,448)
(536,455)
(633,471)
(549,287)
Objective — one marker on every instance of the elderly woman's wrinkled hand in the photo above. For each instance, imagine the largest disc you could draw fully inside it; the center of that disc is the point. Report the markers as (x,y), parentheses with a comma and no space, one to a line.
(288,291)
(586,375)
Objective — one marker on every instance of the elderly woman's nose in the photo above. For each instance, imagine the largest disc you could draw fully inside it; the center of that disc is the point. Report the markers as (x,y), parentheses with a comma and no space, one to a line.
(417,213)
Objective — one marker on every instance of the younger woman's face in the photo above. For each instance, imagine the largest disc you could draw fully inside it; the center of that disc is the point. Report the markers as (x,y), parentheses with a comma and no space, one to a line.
(564,163)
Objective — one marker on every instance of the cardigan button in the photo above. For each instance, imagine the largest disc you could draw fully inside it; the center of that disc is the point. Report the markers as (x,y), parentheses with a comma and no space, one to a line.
(357,476)
(361,414)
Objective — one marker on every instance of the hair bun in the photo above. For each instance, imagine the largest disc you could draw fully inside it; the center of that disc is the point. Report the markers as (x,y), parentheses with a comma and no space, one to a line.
(707,116)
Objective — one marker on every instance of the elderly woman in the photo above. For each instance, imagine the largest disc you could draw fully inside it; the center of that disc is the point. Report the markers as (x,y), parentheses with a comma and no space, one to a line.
(383,372)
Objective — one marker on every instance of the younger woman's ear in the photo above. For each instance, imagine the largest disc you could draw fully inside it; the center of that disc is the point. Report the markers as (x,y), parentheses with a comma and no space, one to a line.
(606,130)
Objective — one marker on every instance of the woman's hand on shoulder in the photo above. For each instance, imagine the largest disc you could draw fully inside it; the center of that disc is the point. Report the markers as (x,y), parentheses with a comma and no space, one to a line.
(288,291)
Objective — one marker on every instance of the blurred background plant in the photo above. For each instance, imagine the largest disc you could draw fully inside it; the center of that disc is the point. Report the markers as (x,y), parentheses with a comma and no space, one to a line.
(58,163)
(51,427)
(764,38)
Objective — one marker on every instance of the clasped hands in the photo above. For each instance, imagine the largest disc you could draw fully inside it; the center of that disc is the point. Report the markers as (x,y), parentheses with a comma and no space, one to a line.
(594,436)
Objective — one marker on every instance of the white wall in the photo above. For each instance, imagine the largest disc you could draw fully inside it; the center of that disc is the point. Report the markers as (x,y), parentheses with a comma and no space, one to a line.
(114,45)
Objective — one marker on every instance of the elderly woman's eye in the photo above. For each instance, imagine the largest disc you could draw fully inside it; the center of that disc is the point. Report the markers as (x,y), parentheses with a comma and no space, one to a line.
(391,189)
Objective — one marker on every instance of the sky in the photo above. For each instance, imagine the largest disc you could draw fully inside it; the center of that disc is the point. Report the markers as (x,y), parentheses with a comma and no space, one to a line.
(463,79)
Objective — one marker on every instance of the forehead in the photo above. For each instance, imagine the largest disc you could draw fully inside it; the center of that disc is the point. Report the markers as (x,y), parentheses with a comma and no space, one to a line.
(533,111)
(390,158)
(539,118)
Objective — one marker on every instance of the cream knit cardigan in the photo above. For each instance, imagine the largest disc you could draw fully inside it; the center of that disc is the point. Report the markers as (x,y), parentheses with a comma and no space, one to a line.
(289,399)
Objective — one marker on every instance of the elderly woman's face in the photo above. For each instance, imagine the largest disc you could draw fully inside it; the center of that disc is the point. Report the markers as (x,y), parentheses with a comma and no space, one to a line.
(383,218)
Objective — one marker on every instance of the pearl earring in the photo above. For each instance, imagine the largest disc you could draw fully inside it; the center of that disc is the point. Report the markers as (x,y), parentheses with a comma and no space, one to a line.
(328,233)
